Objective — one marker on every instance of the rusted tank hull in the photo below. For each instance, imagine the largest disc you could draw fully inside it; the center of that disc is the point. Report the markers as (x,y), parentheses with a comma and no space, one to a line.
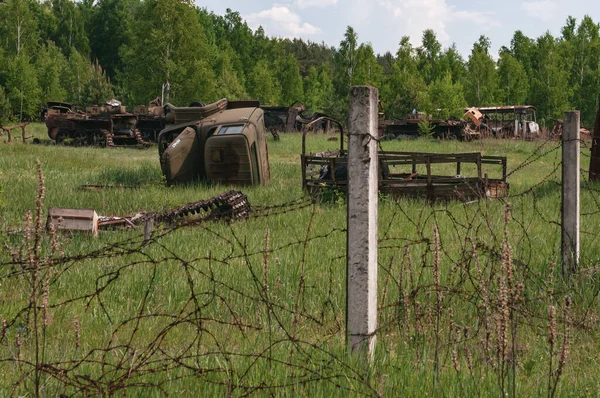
(78,128)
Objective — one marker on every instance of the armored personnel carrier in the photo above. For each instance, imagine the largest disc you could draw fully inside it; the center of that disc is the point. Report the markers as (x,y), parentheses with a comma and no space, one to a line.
(107,125)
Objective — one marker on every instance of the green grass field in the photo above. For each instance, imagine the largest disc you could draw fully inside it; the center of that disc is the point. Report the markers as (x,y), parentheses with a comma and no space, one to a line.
(257,307)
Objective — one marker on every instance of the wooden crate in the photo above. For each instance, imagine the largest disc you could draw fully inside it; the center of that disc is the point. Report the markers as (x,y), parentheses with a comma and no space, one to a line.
(74,219)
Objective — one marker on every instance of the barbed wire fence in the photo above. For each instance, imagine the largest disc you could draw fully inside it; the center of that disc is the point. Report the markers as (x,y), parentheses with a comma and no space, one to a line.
(468,293)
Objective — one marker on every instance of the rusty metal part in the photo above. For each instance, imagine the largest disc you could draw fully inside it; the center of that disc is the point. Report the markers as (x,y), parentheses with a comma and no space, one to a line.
(227,206)
(7,130)
(475,116)
(557,129)
(308,127)
(507,108)
(112,222)
(282,118)
(291,118)
(594,174)
(151,119)
(399,128)
(92,187)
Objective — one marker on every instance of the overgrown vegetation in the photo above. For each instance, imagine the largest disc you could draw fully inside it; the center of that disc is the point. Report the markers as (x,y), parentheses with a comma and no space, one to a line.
(470,301)
(85,52)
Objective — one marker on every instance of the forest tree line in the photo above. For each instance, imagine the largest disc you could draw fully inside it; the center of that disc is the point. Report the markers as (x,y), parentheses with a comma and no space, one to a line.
(89,51)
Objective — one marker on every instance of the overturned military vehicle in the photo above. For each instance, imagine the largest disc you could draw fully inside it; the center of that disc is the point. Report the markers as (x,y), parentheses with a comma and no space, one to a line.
(223,142)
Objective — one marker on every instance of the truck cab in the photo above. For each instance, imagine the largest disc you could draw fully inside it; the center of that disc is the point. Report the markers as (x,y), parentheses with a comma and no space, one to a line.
(226,144)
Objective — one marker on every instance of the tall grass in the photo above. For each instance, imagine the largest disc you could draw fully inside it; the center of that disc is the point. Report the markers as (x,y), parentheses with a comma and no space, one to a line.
(469,301)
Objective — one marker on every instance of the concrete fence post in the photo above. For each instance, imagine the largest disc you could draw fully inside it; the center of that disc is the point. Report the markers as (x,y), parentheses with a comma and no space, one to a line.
(361,293)
(570,192)
(148,228)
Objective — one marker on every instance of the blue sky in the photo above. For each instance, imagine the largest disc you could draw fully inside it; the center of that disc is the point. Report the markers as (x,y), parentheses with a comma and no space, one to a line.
(384,22)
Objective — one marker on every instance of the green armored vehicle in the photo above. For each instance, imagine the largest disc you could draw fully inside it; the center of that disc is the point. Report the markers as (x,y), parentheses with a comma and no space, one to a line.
(224,142)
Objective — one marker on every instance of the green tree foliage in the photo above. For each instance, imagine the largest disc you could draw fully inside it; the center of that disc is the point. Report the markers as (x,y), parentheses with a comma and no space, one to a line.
(481,82)
(513,82)
(18,27)
(290,81)
(83,51)
(23,88)
(309,54)
(451,61)
(233,29)
(580,49)
(98,89)
(368,71)
(318,89)
(447,97)
(428,56)
(5,108)
(550,90)
(228,84)
(345,63)
(75,78)
(50,63)
(110,28)
(167,46)
(63,23)
(386,61)
(405,89)
(523,49)
(263,85)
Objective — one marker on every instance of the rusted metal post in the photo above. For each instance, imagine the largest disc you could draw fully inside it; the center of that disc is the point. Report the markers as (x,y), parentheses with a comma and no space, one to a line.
(361,293)
(595,158)
(570,192)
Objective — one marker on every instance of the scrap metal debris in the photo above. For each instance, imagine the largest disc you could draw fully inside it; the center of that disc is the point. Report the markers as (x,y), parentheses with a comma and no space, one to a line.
(93,187)
(6,130)
(557,129)
(227,206)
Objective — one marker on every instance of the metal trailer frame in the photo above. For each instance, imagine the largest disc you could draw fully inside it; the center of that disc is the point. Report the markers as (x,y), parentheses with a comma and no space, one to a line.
(409,182)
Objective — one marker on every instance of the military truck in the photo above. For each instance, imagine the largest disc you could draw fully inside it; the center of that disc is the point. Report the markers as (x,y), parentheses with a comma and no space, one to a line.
(223,142)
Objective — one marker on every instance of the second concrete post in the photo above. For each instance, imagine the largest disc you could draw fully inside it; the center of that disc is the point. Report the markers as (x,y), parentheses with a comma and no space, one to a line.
(361,293)
(570,192)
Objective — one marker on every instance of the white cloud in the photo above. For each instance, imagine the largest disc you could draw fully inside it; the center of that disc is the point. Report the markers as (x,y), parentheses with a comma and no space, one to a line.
(315,3)
(546,10)
(478,18)
(419,15)
(280,21)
